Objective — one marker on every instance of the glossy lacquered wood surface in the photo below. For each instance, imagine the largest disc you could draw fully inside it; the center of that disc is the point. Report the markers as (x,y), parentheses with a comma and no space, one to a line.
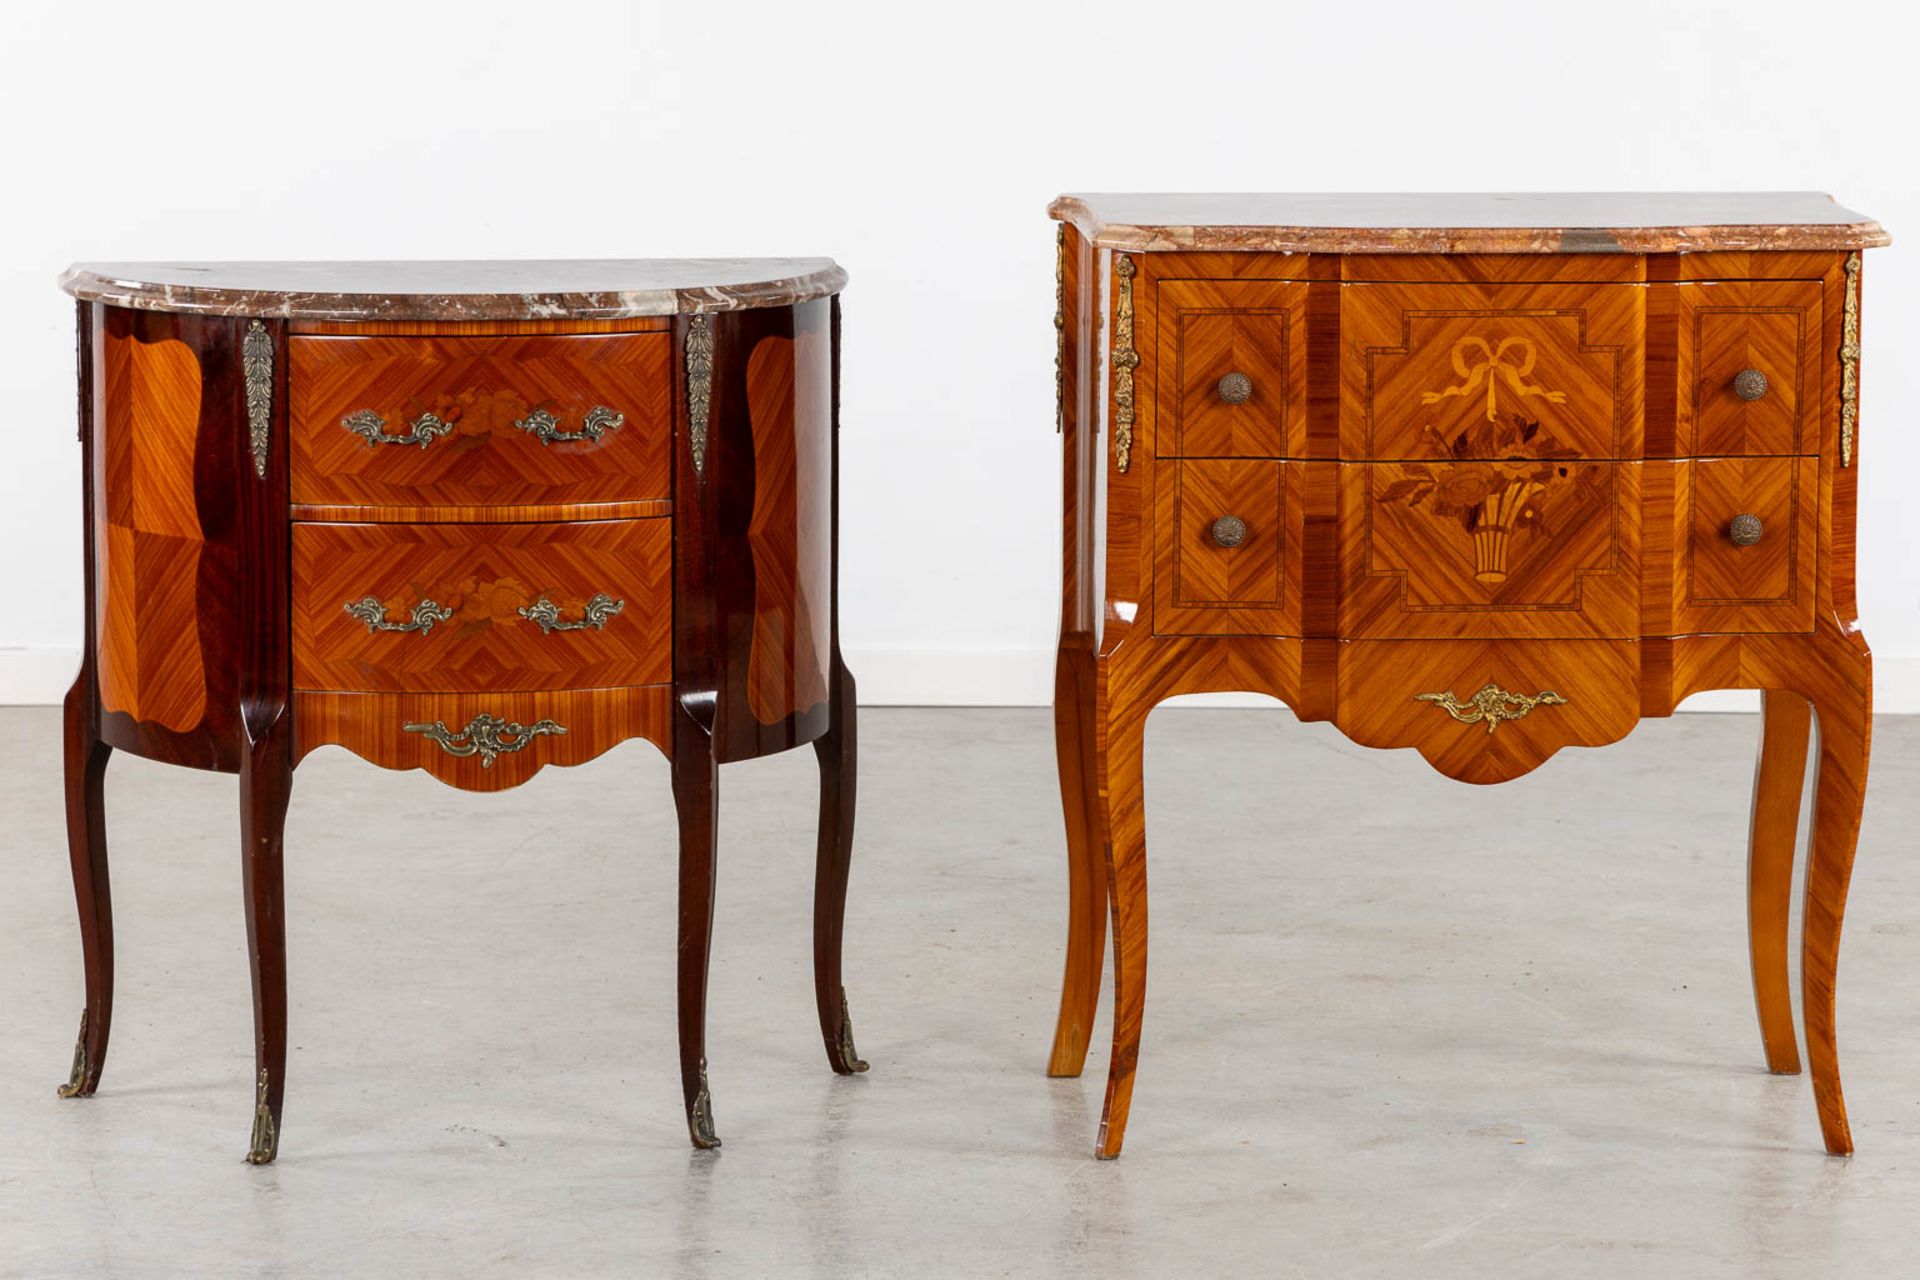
(177,503)
(173,501)
(672,580)
(486,578)
(1498,532)
(481,389)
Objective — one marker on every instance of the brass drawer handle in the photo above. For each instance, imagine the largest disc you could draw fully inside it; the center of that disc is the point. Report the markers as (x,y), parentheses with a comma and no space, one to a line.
(370,611)
(545,428)
(486,736)
(1236,388)
(371,427)
(1745,530)
(1229,531)
(1491,705)
(1750,384)
(547,614)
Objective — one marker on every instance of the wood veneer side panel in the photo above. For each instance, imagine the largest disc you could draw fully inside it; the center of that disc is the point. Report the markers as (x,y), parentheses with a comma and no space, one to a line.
(180,522)
(1839,480)
(1079,440)
(719,597)
(790,532)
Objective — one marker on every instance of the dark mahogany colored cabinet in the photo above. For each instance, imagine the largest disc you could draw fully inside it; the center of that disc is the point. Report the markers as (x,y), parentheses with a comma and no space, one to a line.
(472,518)
(1483,476)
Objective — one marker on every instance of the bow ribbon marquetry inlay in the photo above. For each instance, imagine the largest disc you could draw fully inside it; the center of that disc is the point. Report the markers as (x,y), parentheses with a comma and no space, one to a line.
(1489,369)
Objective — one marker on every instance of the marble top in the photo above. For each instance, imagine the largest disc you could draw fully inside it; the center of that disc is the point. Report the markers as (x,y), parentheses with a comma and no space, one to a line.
(580,289)
(1522,222)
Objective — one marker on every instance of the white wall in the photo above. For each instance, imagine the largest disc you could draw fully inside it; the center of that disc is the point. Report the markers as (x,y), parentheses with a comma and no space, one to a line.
(919,145)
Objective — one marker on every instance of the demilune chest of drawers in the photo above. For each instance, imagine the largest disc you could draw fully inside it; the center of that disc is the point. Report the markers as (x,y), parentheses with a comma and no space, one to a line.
(1484,476)
(473,518)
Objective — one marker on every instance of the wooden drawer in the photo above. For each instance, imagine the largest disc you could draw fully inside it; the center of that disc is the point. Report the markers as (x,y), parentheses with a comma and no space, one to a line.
(1749,367)
(1545,549)
(458,607)
(1487,711)
(482,741)
(1251,587)
(1465,370)
(494,421)
(1233,362)
(1764,585)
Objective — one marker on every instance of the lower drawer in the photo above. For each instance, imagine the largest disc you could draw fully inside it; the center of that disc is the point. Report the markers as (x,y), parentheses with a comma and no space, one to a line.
(479,608)
(1488,710)
(1227,546)
(1746,531)
(482,742)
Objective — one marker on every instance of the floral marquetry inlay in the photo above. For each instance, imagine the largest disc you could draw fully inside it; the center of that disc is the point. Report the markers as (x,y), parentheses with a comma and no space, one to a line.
(1493,497)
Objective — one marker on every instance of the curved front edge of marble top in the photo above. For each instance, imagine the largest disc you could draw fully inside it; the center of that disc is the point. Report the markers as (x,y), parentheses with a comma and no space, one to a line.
(398,291)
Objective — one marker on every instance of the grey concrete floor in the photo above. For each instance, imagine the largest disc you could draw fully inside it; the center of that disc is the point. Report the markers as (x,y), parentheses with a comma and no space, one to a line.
(1430,1030)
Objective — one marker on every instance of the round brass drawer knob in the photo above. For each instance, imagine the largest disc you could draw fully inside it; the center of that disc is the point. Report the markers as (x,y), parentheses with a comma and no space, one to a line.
(1750,384)
(1745,530)
(1229,531)
(1236,388)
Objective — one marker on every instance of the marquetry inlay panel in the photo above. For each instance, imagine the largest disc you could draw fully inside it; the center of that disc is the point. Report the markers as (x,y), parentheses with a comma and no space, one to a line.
(1480,476)
(1539,547)
(1435,371)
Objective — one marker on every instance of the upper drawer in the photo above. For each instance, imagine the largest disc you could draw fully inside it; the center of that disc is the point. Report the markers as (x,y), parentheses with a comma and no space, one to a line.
(1466,370)
(1232,357)
(1750,367)
(486,421)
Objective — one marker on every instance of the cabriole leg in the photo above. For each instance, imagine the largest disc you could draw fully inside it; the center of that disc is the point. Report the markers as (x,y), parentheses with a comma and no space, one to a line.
(1073,740)
(86,767)
(266,785)
(1118,762)
(695,778)
(1840,789)
(1785,720)
(837,751)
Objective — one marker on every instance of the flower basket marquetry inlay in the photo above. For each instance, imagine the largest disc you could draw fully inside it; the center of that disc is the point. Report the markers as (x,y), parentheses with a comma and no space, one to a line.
(1532,491)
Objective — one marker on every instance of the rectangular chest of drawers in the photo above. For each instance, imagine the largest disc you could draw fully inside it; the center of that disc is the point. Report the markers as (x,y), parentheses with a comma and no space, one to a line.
(469,518)
(1484,477)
